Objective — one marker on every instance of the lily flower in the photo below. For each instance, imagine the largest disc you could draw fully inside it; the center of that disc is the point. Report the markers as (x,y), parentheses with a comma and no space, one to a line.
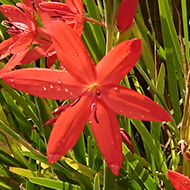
(23,28)
(126,13)
(96,93)
(179,181)
(71,12)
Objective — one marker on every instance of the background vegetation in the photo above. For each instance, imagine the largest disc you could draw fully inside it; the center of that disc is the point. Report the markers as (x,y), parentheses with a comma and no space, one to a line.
(162,73)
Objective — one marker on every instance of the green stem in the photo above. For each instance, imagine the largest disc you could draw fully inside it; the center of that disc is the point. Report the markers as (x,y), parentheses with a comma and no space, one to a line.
(109,178)
(109,39)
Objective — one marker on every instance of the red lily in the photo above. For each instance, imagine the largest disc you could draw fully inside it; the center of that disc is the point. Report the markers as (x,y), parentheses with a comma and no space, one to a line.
(97,95)
(24,29)
(179,181)
(71,12)
(126,14)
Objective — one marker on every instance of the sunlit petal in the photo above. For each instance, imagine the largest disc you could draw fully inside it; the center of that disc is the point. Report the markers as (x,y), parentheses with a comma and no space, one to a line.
(72,53)
(118,62)
(68,128)
(131,104)
(55,6)
(54,84)
(106,130)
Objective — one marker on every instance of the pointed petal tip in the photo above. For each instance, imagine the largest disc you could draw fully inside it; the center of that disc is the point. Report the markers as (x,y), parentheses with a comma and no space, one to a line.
(163,117)
(53,158)
(114,169)
(137,42)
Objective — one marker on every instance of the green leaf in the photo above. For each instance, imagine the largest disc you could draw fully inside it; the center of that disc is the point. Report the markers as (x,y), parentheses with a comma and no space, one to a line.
(174,61)
(81,168)
(97,182)
(27,173)
(79,150)
(150,144)
(145,178)
(49,183)
(26,106)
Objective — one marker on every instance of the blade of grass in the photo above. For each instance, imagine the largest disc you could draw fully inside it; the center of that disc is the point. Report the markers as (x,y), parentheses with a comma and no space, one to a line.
(150,144)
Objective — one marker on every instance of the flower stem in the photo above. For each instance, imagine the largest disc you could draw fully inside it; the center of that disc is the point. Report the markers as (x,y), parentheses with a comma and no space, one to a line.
(109,178)
(88,19)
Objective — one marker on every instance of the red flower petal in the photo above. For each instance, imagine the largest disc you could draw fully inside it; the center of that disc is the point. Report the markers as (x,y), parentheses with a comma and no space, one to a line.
(51,121)
(68,128)
(15,60)
(107,134)
(51,60)
(4,46)
(76,6)
(13,14)
(44,16)
(72,53)
(54,84)
(28,3)
(60,109)
(126,14)
(36,53)
(179,181)
(23,43)
(118,62)
(127,139)
(29,15)
(131,104)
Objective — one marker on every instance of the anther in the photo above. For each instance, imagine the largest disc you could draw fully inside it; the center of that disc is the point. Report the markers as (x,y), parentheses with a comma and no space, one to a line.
(55,16)
(98,93)
(95,116)
(75,101)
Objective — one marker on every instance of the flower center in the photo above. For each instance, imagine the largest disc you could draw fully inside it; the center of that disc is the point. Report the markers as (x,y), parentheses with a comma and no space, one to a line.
(15,27)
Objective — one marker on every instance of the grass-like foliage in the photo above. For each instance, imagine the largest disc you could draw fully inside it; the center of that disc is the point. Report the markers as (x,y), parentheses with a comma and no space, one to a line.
(94,95)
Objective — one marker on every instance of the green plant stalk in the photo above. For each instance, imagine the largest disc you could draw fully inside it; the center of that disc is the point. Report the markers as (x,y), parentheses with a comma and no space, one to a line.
(185,27)
(111,10)
(108,23)
(109,178)
(185,129)
(185,115)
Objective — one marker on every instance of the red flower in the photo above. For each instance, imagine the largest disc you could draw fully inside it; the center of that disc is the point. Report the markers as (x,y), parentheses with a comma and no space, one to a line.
(126,14)
(96,93)
(23,27)
(127,139)
(179,181)
(71,13)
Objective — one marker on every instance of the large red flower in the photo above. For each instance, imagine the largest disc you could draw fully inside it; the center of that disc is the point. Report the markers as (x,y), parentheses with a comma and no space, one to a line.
(95,92)
(23,28)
